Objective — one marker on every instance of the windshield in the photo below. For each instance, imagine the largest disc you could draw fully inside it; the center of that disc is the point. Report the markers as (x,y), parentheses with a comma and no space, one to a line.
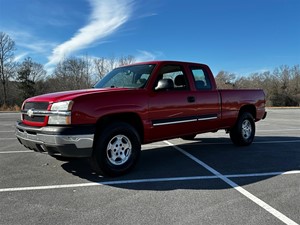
(127,77)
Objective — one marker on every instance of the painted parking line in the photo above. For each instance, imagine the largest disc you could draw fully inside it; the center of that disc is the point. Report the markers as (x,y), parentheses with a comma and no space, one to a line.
(241,190)
(276,142)
(263,174)
(279,130)
(150,180)
(144,147)
(150,146)
(3,139)
(90,184)
(230,143)
(12,152)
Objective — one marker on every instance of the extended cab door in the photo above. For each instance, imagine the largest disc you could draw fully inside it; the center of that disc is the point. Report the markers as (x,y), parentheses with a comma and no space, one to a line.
(207,99)
(172,104)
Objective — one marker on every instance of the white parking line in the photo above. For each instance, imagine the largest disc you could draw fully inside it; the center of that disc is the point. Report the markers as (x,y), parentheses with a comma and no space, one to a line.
(150,146)
(151,180)
(276,142)
(263,174)
(244,192)
(230,143)
(11,152)
(8,138)
(279,130)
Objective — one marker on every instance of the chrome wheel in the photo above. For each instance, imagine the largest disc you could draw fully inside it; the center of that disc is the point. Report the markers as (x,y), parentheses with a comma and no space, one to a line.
(246,129)
(243,132)
(118,150)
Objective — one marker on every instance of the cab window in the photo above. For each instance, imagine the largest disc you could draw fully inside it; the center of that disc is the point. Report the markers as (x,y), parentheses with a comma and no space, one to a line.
(175,77)
(201,79)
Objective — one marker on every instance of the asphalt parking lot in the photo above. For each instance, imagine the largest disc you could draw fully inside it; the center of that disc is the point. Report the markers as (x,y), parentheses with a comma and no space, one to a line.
(205,181)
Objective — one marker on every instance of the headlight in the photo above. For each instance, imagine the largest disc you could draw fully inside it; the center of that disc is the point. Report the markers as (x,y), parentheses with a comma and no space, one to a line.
(62,106)
(61,113)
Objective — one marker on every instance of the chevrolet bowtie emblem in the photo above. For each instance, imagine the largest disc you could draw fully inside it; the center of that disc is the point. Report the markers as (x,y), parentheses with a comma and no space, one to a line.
(30,112)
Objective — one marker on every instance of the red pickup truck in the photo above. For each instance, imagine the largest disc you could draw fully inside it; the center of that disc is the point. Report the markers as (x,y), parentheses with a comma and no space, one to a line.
(134,105)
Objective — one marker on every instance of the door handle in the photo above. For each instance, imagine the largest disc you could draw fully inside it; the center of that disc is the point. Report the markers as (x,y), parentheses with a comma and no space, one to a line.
(191,99)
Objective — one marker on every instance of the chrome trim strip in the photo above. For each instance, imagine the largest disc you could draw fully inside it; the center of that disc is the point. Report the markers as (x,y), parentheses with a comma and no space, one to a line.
(175,122)
(45,113)
(208,118)
(185,121)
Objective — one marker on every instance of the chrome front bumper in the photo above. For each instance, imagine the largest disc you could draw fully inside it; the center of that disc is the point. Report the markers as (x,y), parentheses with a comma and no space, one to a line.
(64,141)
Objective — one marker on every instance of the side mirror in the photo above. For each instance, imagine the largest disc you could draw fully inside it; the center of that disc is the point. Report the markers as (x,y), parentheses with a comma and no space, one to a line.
(164,84)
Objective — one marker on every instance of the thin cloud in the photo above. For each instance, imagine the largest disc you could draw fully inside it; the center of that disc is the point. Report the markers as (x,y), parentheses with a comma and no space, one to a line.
(106,17)
(147,56)
(20,56)
(29,42)
(147,15)
(38,46)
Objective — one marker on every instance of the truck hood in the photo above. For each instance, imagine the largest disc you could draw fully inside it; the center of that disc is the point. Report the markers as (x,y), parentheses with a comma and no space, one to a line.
(70,95)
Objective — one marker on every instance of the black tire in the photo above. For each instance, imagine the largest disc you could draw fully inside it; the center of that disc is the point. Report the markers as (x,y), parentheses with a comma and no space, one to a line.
(189,137)
(116,150)
(242,134)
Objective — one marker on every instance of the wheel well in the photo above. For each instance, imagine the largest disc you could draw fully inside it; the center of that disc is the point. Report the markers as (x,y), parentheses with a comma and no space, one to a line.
(131,118)
(248,108)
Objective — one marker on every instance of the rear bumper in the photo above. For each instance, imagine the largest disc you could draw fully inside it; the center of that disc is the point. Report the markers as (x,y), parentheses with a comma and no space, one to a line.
(71,141)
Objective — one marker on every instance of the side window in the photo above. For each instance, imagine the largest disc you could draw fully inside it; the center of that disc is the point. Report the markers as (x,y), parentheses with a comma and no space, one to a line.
(202,82)
(175,75)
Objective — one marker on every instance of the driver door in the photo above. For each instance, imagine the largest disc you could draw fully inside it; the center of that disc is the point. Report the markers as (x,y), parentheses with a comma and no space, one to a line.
(172,109)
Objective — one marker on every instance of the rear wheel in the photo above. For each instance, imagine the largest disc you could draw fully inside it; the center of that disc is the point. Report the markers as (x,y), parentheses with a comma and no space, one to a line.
(116,150)
(242,134)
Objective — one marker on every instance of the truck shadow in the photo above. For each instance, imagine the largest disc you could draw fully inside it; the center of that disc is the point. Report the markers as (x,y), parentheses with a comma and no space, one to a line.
(268,154)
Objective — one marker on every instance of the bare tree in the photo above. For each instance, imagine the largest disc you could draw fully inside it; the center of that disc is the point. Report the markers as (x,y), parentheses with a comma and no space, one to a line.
(7,48)
(104,65)
(72,73)
(126,60)
(295,85)
(282,86)
(101,67)
(225,80)
(29,73)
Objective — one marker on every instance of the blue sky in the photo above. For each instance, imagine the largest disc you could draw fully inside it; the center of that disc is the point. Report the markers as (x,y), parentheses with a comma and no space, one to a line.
(232,35)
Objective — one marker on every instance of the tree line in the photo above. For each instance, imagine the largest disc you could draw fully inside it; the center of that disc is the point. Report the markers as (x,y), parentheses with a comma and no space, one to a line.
(281,86)
(21,80)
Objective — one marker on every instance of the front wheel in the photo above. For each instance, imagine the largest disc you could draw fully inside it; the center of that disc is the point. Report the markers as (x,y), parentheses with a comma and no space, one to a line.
(116,150)
(242,134)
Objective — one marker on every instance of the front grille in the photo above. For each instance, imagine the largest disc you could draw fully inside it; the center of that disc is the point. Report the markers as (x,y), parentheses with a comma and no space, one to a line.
(39,119)
(36,106)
